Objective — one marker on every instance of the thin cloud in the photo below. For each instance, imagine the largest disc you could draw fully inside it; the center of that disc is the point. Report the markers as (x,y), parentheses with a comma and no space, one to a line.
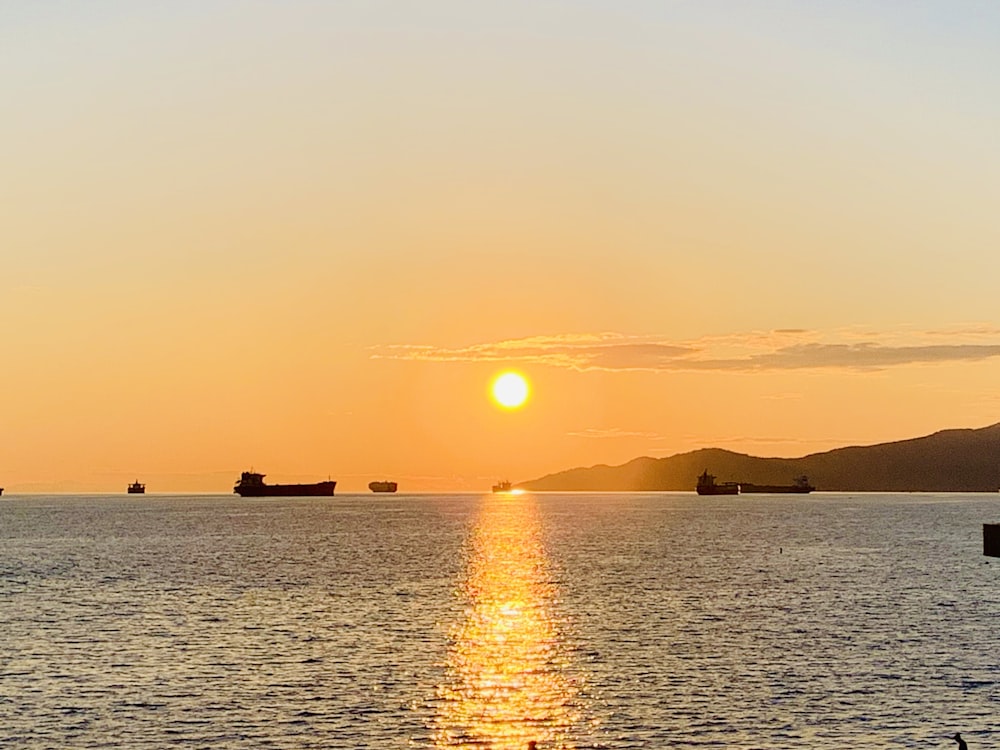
(973,331)
(756,351)
(613,434)
(600,351)
(714,442)
(865,356)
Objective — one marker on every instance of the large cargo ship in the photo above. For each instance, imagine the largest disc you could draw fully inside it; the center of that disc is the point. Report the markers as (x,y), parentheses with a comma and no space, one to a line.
(252,484)
(801,486)
(502,486)
(382,486)
(707,486)
(137,488)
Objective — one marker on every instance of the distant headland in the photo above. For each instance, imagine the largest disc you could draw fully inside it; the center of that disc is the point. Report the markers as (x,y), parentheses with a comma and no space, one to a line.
(963,460)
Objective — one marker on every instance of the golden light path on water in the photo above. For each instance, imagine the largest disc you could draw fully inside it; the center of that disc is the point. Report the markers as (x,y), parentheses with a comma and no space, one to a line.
(509,677)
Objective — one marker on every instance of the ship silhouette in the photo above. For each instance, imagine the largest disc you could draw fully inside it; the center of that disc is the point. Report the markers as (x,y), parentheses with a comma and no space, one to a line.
(251,484)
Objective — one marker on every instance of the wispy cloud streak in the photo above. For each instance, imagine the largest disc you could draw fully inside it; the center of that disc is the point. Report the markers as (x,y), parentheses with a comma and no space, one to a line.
(786,349)
(600,351)
(612,433)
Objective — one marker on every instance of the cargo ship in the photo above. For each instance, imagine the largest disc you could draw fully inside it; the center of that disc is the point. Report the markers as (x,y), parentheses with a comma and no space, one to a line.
(502,486)
(252,484)
(707,486)
(382,486)
(801,486)
(137,488)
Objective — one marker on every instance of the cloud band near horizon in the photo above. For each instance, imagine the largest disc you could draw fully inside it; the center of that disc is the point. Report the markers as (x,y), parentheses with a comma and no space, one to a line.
(786,349)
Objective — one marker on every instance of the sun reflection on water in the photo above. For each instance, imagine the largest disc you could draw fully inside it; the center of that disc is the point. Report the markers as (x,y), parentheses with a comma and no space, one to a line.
(509,679)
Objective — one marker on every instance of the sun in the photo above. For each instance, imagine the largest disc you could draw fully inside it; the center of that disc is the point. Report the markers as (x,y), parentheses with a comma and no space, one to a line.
(510,390)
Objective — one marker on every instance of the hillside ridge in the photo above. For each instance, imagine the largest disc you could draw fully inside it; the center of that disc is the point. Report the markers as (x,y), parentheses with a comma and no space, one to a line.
(950,460)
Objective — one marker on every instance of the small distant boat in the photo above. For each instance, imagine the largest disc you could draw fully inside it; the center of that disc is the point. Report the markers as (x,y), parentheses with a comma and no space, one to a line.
(252,484)
(707,486)
(502,486)
(382,486)
(137,488)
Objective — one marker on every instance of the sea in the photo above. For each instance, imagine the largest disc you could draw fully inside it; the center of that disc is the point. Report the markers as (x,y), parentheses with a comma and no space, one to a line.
(493,621)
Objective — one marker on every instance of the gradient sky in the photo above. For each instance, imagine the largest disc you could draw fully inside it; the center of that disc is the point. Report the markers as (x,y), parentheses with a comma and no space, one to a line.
(304,236)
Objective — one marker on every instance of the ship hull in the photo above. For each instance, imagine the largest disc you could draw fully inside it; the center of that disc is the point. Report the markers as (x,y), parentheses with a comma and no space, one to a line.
(719,490)
(382,486)
(775,489)
(319,489)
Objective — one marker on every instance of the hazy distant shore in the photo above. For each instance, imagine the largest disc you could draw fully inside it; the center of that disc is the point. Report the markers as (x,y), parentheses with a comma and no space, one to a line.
(961,460)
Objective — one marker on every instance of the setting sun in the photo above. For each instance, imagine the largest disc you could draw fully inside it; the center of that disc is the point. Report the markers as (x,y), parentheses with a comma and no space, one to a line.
(510,390)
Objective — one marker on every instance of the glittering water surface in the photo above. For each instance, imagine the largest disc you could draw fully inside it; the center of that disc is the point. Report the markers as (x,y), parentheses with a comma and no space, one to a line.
(575,621)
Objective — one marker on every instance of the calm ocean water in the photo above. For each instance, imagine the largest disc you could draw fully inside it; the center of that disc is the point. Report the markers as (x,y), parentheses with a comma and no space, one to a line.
(577,621)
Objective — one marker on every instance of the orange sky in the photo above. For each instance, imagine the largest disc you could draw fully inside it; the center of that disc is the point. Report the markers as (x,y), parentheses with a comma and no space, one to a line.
(304,237)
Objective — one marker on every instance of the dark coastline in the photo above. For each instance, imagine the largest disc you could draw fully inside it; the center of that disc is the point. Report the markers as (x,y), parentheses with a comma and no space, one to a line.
(949,461)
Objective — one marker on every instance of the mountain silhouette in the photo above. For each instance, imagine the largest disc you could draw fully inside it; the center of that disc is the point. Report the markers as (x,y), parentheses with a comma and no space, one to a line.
(963,460)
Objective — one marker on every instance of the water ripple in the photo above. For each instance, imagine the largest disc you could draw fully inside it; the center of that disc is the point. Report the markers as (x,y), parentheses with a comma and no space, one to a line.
(581,621)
